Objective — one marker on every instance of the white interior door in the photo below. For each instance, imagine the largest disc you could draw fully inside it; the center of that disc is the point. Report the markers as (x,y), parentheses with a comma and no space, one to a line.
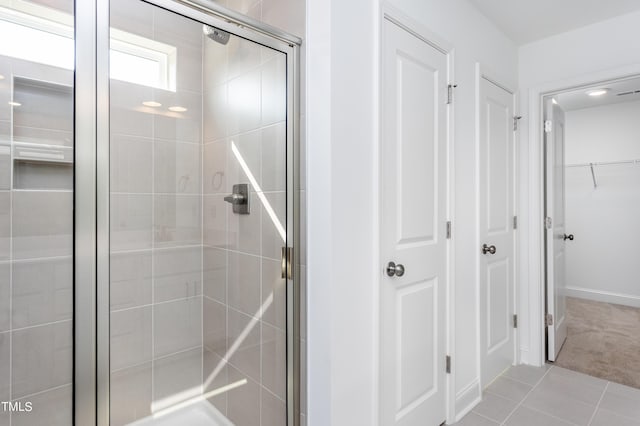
(555,228)
(413,230)
(496,230)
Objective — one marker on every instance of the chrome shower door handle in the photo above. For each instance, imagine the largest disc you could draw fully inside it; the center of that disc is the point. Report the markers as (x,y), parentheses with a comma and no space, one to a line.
(394,269)
(488,249)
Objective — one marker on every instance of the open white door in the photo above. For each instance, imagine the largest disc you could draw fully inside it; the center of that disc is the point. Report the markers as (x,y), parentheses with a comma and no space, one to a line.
(496,230)
(554,128)
(413,230)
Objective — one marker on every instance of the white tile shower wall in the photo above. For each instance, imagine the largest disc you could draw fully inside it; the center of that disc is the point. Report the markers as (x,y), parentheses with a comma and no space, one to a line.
(36,282)
(156,223)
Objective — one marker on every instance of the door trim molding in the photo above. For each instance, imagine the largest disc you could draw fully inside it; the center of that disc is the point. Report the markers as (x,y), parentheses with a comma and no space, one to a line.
(534,353)
(392,14)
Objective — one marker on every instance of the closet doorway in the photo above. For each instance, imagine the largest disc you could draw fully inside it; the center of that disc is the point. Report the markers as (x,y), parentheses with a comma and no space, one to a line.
(592,224)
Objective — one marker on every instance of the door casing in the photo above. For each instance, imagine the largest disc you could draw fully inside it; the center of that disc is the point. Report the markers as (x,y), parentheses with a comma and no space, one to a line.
(533,350)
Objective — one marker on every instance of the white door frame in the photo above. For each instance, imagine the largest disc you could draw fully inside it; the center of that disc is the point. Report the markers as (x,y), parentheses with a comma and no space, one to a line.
(535,261)
(389,12)
(484,72)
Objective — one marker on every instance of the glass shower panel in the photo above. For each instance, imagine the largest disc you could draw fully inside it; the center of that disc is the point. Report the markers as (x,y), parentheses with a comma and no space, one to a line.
(244,293)
(36,212)
(198,304)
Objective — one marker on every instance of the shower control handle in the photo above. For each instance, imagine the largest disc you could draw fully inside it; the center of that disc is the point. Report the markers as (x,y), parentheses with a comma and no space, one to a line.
(568,237)
(235,199)
(239,198)
(393,269)
(488,249)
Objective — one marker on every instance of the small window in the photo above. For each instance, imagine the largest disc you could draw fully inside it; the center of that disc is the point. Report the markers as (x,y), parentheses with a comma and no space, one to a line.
(142,61)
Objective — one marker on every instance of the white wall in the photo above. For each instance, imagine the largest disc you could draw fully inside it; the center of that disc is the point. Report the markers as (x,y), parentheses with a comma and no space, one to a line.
(342,128)
(585,53)
(602,261)
(605,133)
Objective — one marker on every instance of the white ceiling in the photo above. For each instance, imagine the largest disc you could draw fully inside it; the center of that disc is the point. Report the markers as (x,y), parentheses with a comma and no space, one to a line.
(528,20)
(619,91)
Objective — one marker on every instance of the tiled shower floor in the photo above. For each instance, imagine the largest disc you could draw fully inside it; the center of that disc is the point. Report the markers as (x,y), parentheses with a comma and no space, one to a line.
(554,396)
(199,414)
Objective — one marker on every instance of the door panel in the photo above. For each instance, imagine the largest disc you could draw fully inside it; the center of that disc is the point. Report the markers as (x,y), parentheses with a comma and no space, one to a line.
(413,224)
(496,229)
(555,244)
(498,327)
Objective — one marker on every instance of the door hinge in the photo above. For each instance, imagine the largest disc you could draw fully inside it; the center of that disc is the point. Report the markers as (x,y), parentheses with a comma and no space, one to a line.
(447,364)
(548,320)
(516,118)
(450,93)
(548,126)
(515,222)
(286,263)
(515,321)
(548,222)
(448,230)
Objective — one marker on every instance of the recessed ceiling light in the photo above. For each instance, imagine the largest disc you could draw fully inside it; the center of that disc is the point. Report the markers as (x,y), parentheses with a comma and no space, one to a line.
(152,104)
(12,103)
(597,92)
(177,109)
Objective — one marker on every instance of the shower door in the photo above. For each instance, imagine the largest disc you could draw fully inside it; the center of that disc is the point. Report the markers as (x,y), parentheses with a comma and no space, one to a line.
(201,310)
(37,172)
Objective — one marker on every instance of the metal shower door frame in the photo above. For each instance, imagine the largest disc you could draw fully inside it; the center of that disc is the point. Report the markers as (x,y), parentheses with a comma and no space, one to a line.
(92,207)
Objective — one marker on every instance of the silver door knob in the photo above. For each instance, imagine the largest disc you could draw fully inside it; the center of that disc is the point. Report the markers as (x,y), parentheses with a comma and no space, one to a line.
(393,269)
(568,237)
(488,249)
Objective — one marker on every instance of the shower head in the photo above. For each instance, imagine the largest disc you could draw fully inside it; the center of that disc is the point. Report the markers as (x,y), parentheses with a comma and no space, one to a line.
(216,34)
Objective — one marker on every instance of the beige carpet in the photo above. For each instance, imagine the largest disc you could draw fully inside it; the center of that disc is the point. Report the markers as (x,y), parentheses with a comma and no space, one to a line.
(603,340)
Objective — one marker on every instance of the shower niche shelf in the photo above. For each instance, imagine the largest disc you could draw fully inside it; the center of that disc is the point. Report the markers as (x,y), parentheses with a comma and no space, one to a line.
(42,128)
(37,166)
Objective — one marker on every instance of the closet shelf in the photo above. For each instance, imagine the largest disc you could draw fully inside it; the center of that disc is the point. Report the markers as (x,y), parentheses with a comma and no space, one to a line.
(604,163)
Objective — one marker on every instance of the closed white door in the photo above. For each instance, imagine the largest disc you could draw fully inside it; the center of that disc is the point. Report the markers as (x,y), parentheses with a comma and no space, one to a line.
(555,229)
(497,334)
(413,230)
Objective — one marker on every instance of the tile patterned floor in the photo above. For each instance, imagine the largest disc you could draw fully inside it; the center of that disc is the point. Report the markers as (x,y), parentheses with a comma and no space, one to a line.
(554,396)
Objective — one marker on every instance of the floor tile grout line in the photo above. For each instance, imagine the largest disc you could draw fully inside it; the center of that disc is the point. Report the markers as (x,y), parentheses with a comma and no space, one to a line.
(552,416)
(526,396)
(593,416)
(483,416)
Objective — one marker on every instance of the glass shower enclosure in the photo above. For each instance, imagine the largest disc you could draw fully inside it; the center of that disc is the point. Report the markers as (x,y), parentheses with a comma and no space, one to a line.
(148,217)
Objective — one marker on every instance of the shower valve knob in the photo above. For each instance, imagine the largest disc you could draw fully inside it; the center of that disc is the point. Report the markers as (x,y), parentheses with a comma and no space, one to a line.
(239,198)
(568,237)
(235,199)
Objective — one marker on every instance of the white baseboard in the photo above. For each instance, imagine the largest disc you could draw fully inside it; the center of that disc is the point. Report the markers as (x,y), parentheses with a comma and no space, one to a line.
(467,398)
(603,296)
